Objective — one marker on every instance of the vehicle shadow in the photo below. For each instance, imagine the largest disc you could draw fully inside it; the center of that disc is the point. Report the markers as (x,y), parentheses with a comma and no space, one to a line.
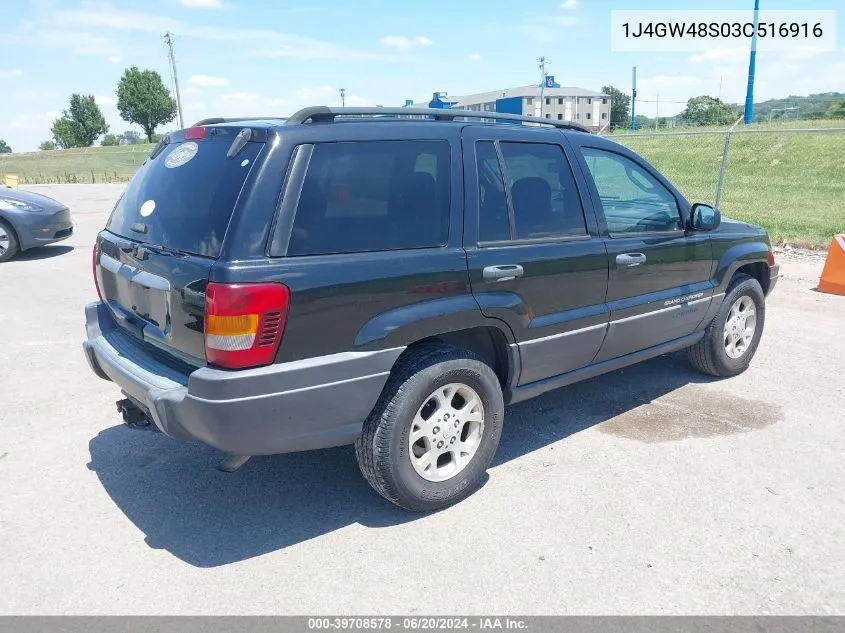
(41,252)
(170,490)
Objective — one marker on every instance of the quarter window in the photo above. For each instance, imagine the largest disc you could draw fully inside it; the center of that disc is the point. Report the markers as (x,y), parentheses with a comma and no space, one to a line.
(373,196)
(632,199)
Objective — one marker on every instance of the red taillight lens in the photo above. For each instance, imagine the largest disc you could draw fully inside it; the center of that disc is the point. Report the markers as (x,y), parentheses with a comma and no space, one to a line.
(244,323)
(95,255)
(770,256)
(194,133)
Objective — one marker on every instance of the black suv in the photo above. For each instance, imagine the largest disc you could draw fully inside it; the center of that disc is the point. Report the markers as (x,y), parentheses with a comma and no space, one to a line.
(393,278)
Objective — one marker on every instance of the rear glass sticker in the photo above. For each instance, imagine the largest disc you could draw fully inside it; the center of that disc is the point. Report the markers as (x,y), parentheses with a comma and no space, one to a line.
(244,162)
(181,154)
(147,208)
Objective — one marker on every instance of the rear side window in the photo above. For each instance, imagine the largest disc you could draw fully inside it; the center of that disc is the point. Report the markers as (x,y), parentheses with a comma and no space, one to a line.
(184,198)
(373,196)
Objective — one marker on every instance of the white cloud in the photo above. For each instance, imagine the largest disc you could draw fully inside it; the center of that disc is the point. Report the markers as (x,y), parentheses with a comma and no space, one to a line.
(721,55)
(239,96)
(546,28)
(35,119)
(192,92)
(11,74)
(804,52)
(207,80)
(475,56)
(105,100)
(115,59)
(202,4)
(404,43)
(78,42)
(569,4)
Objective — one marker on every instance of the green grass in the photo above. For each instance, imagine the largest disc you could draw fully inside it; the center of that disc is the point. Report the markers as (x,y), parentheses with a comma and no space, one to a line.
(93,164)
(792,183)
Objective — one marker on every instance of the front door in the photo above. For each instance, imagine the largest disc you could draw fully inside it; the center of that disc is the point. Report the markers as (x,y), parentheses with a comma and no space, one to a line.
(659,287)
(535,260)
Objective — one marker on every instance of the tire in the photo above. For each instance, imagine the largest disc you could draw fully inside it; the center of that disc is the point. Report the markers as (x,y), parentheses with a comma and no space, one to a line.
(421,377)
(711,354)
(11,250)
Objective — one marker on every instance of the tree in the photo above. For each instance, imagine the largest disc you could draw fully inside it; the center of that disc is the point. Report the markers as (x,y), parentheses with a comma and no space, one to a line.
(705,110)
(642,122)
(4,147)
(836,111)
(80,124)
(130,137)
(143,99)
(620,106)
(46,146)
(110,140)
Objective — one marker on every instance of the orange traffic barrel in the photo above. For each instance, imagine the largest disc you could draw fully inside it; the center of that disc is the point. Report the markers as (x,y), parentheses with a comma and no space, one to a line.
(833,275)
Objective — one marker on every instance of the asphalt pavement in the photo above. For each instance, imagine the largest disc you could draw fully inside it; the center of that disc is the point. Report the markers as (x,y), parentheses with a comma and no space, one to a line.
(652,490)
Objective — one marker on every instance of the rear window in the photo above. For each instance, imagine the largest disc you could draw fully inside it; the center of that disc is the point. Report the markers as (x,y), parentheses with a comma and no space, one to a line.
(373,196)
(184,198)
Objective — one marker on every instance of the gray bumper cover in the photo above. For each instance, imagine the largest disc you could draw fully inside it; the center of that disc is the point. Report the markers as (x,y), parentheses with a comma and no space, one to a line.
(301,405)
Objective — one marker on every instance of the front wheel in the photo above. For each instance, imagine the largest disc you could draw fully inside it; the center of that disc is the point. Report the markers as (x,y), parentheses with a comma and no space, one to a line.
(434,431)
(8,242)
(733,335)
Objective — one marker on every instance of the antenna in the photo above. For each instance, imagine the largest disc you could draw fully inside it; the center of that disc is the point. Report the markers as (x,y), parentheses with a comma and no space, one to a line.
(169,39)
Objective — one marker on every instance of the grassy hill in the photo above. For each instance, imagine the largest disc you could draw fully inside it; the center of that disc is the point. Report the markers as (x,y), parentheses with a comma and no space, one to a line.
(793,183)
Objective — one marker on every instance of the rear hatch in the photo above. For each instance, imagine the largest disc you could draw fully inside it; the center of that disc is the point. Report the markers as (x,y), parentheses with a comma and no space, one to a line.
(152,262)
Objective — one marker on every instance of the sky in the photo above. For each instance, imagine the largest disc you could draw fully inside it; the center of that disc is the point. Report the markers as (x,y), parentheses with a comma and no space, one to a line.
(271,57)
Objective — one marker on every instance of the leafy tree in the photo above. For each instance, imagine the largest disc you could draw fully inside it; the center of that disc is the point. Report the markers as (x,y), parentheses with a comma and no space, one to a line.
(143,99)
(80,124)
(46,146)
(837,110)
(155,138)
(110,140)
(642,122)
(130,137)
(4,147)
(705,110)
(620,106)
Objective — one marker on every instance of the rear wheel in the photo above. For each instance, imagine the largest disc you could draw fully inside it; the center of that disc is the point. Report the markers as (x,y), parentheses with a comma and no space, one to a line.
(8,242)
(733,335)
(432,435)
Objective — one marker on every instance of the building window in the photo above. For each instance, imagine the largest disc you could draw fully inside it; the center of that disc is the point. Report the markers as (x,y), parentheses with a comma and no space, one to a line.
(529,100)
(604,101)
(589,116)
(488,107)
(548,116)
(548,101)
(577,115)
(589,102)
(559,117)
(604,115)
(560,101)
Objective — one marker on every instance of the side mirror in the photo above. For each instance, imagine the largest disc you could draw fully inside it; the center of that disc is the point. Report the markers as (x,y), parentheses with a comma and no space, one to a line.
(704,217)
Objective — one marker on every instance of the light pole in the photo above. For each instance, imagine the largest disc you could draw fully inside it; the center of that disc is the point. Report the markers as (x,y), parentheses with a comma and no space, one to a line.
(343,97)
(752,62)
(169,39)
(542,61)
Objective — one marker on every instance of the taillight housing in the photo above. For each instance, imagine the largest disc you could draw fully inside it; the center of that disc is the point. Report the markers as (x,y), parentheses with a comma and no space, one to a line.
(95,255)
(244,323)
(770,257)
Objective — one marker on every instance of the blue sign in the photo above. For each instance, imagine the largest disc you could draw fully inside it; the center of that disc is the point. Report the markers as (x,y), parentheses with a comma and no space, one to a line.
(550,82)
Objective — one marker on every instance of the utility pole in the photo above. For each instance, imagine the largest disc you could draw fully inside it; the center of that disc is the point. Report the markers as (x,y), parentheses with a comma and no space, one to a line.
(542,65)
(752,62)
(343,97)
(169,39)
(657,112)
(633,97)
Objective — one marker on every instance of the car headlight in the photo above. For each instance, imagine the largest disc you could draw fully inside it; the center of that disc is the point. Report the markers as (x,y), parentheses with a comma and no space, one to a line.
(20,205)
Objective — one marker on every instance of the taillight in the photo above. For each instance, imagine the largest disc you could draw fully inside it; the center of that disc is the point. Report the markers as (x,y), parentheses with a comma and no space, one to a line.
(244,323)
(770,256)
(195,133)
(94,257)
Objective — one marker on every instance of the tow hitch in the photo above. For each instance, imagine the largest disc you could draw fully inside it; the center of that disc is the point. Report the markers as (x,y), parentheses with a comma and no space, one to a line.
(133,416)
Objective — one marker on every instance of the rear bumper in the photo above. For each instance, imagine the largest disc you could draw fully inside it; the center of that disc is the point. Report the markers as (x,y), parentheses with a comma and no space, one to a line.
(301,405)
(774,275)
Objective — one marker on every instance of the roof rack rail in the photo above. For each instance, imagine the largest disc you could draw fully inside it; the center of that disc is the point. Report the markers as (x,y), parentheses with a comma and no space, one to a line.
(323,114)
(214,120)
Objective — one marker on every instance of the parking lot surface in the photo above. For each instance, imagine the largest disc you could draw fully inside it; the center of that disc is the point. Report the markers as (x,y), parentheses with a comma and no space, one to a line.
(650,490)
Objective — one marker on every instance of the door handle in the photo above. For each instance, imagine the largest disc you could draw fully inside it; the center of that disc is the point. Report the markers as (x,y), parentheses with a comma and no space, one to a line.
(630,260)
(505,272)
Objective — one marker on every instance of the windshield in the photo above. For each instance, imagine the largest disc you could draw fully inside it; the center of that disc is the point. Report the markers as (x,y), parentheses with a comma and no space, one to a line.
(184,198)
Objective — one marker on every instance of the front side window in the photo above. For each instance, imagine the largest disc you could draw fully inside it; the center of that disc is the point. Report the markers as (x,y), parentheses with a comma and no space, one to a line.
(632,199)
(373,196)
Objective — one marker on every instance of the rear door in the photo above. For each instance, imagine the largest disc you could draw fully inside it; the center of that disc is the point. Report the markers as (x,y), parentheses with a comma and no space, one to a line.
(535,258)
(154,257)
(659,286)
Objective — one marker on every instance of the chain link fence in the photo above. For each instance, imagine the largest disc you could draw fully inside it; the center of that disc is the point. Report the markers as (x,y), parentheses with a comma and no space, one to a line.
(791,180)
